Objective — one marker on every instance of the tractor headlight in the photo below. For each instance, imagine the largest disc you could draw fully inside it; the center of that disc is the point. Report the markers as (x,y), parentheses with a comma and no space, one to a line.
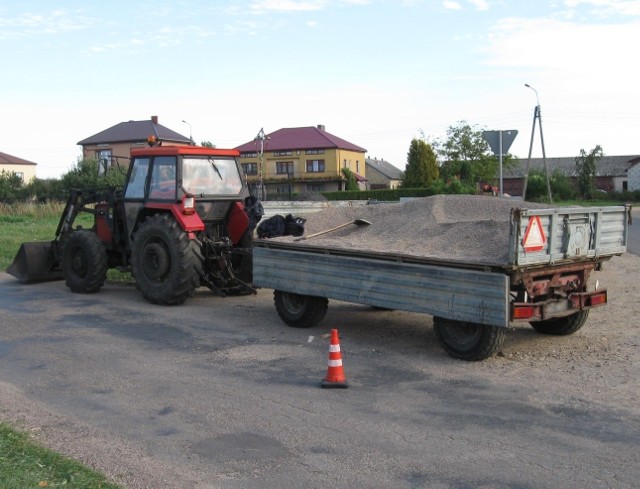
(188,205)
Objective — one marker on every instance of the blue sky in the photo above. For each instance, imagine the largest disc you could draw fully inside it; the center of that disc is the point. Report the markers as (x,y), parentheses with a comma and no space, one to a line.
(376,73)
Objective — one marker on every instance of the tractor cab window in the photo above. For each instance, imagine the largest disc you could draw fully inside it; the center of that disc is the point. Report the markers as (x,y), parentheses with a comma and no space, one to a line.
(137,178)
(163,178)
(211,176)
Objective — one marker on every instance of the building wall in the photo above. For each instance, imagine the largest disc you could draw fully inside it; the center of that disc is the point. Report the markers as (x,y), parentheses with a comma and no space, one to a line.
(28,172)
(633,175)
(298,180)
(119,151)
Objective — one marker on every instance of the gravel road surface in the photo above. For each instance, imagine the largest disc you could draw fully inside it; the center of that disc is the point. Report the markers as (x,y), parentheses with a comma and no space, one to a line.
(219,393)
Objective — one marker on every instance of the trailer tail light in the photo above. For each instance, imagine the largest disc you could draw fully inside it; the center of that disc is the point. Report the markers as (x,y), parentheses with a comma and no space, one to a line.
(598,298)
(523,312)
(188,205)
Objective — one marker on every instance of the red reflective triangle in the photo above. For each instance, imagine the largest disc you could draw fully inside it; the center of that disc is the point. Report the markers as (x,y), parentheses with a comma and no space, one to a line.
(534,238)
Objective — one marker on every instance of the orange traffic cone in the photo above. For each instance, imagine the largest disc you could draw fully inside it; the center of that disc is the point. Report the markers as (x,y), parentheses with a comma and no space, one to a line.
(335,373)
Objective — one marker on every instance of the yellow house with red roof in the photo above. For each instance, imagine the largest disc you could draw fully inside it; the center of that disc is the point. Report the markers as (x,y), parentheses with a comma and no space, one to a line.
(300,160)
(24,169)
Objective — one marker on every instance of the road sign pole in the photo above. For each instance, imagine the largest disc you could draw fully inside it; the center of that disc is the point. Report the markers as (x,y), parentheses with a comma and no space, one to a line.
(500,163)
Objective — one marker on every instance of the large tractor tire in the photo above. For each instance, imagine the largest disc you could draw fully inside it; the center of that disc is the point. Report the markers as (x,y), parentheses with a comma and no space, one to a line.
(166,264)
(84,262)
(468,341)
(562,326)
(300,311)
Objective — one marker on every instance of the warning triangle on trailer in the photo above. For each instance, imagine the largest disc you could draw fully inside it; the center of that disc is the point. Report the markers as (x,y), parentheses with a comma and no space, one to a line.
(534,238)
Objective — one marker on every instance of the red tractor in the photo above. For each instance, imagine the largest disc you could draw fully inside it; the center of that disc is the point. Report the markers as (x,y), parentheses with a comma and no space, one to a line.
(184,219)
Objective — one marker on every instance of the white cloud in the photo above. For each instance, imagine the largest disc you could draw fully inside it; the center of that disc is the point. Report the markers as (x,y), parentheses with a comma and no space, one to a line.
(287,6)
(52,22)
(607,7)
(451,5)
(480,4)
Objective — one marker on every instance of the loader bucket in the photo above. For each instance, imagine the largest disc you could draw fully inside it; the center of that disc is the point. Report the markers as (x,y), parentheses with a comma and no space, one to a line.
(36,262)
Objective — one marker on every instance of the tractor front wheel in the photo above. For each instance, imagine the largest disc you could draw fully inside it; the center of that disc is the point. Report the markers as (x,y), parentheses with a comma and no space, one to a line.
(165,262)
(84,262)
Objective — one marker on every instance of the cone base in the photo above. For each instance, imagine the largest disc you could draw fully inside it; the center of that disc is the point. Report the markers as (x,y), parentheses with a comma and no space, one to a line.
(328,384)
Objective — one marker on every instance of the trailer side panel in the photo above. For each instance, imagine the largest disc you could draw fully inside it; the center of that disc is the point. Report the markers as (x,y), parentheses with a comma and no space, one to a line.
(463,295)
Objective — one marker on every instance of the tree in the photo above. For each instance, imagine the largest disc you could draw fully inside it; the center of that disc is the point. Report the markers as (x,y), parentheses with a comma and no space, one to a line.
(586,168)
(207,144)
(351,183)
(466,155)
(11,185)
(422,165)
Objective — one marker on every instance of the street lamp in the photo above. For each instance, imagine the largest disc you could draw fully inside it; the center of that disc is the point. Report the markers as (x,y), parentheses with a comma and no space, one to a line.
(190,133)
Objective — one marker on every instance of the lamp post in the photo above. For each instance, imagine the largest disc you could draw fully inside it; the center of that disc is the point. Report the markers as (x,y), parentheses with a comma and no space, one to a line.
(190,133)
(537,115)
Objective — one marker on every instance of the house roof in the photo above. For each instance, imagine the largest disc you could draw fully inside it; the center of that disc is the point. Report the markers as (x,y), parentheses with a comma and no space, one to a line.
(385,168)
(6,159)
(295,138)
(135,131)
(608,166)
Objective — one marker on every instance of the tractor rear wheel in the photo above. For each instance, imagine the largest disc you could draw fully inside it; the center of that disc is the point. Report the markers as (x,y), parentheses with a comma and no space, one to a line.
(165,262)
(84,263)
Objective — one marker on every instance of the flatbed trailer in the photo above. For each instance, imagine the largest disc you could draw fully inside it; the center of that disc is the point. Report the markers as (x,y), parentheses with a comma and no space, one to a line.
(542,277)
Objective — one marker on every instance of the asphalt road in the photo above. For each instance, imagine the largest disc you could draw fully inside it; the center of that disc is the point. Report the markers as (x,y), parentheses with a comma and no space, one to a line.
(221,390)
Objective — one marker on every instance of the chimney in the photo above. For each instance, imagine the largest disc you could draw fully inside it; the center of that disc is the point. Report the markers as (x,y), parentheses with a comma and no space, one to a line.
(321,127)
(154,119)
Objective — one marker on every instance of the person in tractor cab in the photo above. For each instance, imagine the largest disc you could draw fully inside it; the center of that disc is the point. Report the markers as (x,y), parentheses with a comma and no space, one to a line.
(163,181)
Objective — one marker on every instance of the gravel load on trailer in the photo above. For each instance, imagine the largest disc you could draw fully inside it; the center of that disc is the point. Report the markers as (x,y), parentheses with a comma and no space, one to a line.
(462,228)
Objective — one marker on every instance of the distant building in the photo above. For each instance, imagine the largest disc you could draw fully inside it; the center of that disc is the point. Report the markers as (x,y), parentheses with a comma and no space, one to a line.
(26,170)
(115,143)
(633,175)
(612,172)
(302,159)
(382,175)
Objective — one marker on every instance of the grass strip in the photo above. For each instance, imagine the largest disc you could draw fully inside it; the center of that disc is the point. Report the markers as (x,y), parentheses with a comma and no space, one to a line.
(24,464)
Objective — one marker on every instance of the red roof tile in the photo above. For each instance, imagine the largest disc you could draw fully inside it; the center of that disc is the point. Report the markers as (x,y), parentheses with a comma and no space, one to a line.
(6,159)
(296,138)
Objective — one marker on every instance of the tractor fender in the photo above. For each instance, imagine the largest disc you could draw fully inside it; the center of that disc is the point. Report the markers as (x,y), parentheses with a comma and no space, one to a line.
(190,223)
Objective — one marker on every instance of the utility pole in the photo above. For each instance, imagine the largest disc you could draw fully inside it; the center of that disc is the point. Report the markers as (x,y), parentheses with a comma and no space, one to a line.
(262,137)
(537,115)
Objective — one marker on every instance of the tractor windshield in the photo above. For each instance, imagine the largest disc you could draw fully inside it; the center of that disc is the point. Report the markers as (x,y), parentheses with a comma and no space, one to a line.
(211,176)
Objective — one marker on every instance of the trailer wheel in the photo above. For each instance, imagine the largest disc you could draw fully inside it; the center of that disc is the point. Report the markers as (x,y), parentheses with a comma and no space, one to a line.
(84,262)
(468,341)
(165,262)
(300,311)
(562,326)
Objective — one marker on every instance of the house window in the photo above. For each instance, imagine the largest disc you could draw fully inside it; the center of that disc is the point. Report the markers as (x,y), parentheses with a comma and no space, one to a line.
(282,153)
(104,160)
(250,168)
(250,154)
(315,187)
(625,186)
(20,175)
(314,152)
(357,166)
(284,167)
(315,166)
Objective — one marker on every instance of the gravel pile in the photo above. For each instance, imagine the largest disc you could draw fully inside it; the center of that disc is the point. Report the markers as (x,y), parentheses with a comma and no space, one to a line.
(461,228)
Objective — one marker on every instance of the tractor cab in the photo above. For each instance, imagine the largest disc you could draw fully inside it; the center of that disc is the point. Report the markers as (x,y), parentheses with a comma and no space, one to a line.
(165,177)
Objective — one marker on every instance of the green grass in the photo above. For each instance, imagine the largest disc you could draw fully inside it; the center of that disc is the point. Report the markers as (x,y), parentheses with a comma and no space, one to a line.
(25,464)
(22,223)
